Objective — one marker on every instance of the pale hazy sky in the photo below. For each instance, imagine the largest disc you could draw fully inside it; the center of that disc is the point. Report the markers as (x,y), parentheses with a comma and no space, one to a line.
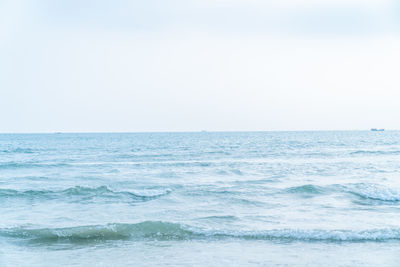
(189,65)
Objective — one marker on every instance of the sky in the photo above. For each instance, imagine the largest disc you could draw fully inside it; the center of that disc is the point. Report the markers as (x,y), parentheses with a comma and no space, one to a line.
(191,65)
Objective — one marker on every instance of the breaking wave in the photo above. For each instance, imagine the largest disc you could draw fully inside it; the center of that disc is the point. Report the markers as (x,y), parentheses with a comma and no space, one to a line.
(374,192)
(143,230)
(362,190)
(85,193)
(158,230)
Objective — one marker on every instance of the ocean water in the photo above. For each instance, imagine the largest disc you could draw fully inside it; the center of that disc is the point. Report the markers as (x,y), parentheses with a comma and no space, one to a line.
(200,199)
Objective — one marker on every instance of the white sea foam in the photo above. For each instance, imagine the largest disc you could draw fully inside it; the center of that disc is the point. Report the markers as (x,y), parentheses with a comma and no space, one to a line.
(374,191)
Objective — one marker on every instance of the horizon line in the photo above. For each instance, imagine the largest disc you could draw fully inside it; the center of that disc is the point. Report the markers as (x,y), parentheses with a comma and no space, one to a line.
(198,131)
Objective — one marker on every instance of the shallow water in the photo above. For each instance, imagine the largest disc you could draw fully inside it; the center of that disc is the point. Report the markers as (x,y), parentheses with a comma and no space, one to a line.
(185,199)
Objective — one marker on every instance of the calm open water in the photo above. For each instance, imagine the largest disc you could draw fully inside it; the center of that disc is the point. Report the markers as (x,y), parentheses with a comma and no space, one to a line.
(196,199)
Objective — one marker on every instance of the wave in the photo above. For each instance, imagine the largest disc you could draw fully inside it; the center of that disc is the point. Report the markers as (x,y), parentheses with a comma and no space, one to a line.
(375,152)
(222,217)
(18,165)
(18,150)
(144,230)
(323,235)
(374,192)
(362,190)
(164,231)
(305,189)
(85,193)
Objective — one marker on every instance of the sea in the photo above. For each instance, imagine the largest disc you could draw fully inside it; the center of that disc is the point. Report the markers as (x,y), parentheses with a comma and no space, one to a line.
(312,198)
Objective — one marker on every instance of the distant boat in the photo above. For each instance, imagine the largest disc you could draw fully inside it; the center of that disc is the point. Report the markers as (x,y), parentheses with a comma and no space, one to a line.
(377,130)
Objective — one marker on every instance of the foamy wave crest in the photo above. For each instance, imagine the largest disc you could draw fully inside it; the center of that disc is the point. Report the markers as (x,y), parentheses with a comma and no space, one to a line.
(375,192)
(323,235)
(164,231)
(144,230)
(85,193)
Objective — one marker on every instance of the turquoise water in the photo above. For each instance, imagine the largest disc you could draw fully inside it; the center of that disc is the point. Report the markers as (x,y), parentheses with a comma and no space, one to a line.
(193,199)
